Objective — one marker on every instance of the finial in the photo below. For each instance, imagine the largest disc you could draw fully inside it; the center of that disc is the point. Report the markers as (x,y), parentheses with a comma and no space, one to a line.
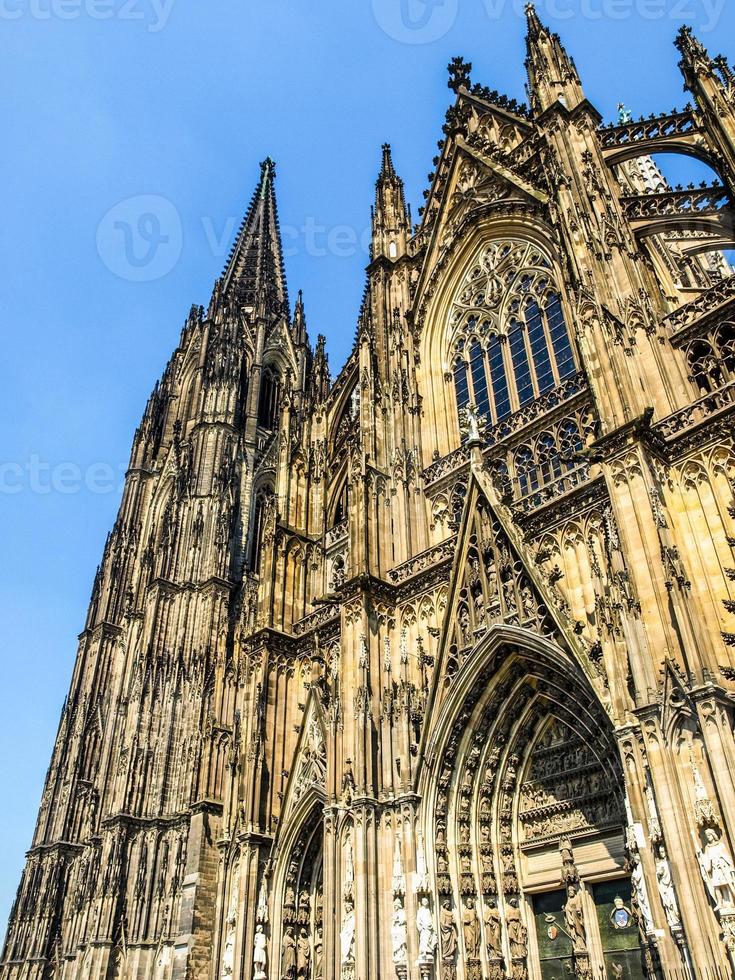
(534,24)
(459,74)
(267,173)
(386,169)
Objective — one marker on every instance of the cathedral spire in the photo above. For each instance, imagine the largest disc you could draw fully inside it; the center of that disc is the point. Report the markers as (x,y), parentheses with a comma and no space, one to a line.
(254,274)
(552,74)
(391,218)
(298,327)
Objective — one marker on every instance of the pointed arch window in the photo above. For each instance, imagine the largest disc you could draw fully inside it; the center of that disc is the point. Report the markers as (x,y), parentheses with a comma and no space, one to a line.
(270,390)
(565,365)
(342,507)
(526,470)
(260,510)
(511,341)
(539,347)
(521,366)
(479,378)
(498,379)
(548,458)
(461,384)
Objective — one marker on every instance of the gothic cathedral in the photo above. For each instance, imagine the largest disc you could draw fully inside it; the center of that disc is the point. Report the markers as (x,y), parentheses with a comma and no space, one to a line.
(428,672)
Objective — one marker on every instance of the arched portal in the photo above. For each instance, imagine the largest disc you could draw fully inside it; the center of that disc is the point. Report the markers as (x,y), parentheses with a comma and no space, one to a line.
(527,811)
(298,919)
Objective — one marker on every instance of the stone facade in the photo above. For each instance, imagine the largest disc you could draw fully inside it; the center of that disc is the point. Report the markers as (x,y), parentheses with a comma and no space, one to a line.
(427,672)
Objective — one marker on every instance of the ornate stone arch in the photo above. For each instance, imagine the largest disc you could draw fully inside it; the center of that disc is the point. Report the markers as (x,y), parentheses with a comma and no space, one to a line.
(503,816)
(296,880)
(439,309)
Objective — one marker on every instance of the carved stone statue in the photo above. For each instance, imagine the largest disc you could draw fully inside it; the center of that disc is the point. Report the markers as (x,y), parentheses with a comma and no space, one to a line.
(399,880)
(517,933)
(640,899)
(447,941)
(471,930)
(422,874)
(347,934)
(260,957)
(666,891)
(318,954)
(717,871)
(398,933)
(574,917)
(493,930)
(288,955)
(427,933)
(349,881)
(303,955)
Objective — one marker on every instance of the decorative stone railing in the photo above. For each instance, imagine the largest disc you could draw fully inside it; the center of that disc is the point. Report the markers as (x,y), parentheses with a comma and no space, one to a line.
(336,534)
(703,305)
(692,201)
(644,130)
(494,435)
(699,411)
(316,619)
(552,491)
(427,559)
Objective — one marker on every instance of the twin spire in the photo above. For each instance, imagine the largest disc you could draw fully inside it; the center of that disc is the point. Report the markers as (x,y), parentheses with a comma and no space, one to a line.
(254,275)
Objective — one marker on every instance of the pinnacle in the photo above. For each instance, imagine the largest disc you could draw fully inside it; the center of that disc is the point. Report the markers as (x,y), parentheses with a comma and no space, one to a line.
(534,24)
(387,169)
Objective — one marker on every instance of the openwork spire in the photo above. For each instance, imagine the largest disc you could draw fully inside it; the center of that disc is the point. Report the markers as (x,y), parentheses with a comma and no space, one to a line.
(254,274)
(391,220)
(552,74)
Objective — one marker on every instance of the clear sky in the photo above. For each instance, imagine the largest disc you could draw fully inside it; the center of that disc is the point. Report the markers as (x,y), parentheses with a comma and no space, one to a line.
(132,133)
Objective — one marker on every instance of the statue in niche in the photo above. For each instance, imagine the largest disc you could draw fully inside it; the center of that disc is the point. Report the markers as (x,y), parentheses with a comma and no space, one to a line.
(303,955)
(493,930)
(288,955)
(447,941)
(465,631)
(399,933)
(666,890)
(349,881)
(517,933)
(399,881)
(260,956)
(471,930)
(427,933)
(639,902)
(717,871)
(303,916)
(318,954)
(574,916)
(228,956)
(347,934)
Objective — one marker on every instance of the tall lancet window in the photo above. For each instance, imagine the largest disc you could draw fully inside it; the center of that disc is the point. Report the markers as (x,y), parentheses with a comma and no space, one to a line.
(270,389)
(263,500)
(510,343)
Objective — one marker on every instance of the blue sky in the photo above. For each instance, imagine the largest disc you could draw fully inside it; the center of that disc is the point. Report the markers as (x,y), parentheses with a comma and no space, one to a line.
(152,116)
